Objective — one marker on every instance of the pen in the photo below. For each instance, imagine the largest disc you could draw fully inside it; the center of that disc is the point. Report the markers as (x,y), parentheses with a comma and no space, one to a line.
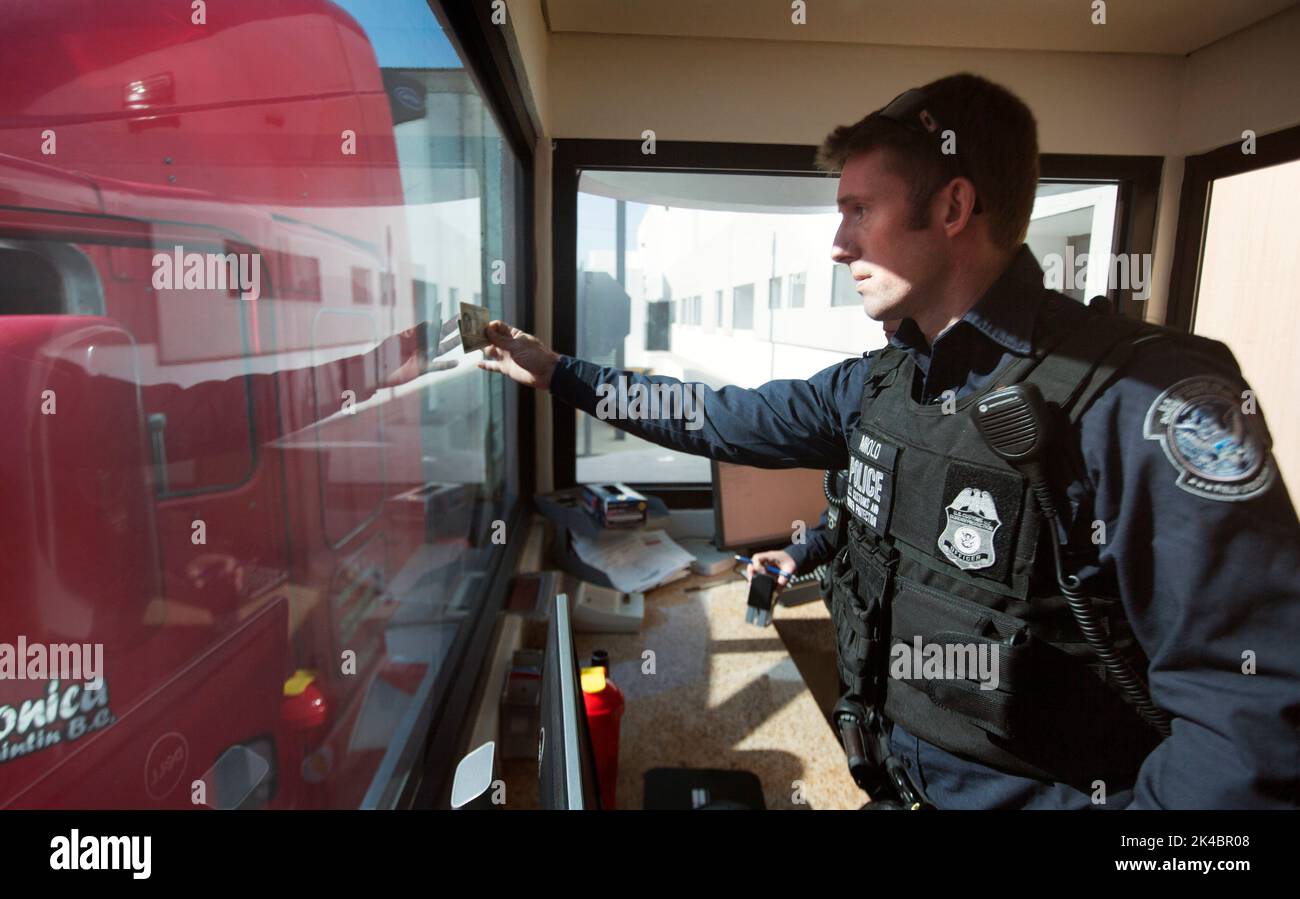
(772,569)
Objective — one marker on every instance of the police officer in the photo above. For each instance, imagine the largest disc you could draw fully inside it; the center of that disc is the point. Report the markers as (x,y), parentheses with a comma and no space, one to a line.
(1138,586)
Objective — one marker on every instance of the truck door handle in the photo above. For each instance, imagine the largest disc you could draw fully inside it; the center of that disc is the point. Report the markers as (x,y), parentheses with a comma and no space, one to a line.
(158,447)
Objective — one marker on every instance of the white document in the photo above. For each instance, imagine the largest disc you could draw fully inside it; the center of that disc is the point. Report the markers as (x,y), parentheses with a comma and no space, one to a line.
(634,561)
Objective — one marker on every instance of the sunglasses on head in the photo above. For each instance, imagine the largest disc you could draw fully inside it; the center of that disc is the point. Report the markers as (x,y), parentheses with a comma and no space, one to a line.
(911,110)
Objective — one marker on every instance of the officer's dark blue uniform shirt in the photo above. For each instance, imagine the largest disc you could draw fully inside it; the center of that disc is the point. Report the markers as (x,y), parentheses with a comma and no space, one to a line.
(817,547)
(1209,578)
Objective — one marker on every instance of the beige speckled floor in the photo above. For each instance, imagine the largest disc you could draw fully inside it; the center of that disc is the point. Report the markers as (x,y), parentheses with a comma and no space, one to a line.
(725,694)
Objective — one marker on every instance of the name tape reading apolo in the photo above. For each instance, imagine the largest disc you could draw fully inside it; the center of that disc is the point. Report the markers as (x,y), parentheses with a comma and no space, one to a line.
(870,492)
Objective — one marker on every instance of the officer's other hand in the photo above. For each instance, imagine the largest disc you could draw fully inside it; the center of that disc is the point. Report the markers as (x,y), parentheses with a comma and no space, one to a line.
(778,557)
(519,356)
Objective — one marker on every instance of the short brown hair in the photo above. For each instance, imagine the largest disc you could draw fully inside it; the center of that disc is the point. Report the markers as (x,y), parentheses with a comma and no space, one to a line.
(996,140)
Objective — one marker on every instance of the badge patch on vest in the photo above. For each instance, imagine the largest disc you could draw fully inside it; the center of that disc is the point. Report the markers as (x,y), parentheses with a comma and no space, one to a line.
(967,541)
(978,527)
(1219,451)
(870,492)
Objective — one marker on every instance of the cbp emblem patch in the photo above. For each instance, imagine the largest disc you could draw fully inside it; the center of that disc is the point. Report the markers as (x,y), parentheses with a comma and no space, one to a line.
(1218,450)
(967,540)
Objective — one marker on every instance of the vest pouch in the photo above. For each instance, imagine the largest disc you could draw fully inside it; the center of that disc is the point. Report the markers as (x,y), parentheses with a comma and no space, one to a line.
(857,609)
(1046,716)
(967,659)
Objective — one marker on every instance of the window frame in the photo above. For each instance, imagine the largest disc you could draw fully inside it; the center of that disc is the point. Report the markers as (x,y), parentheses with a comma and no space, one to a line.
(1136,201)
(1138,178)
(488,52)
(1199,174)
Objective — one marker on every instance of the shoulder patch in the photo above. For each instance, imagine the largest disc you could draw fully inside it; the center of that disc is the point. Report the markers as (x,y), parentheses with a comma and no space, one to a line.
(1218,451)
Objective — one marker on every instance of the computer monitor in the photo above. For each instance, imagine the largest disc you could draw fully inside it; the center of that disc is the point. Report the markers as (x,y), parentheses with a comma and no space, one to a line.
(565,762)
(755,507)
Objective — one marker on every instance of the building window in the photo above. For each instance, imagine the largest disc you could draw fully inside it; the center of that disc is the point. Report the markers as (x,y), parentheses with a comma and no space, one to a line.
(771,230)
(426,298)
(742,307)
(842,292)
(798,281)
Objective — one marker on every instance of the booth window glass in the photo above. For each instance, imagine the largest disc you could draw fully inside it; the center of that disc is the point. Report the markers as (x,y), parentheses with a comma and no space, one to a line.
(223,470)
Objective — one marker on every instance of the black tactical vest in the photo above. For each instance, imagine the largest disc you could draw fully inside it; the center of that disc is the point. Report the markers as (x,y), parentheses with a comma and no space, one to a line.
(947,546)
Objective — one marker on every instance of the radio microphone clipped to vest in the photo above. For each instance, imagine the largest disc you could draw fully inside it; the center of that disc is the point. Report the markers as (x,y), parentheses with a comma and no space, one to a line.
(1015,424)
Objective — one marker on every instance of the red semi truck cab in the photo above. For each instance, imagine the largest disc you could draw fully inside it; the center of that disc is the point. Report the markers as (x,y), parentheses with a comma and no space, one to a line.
(201,478)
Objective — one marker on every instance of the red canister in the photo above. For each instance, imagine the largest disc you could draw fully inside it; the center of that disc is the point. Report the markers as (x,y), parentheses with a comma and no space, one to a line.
(604,702)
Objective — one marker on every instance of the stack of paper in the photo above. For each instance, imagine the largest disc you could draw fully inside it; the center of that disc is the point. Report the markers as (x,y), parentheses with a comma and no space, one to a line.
(634,561)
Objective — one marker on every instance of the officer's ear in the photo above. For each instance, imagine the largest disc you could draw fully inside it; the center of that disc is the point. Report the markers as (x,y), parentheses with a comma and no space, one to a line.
(957,204)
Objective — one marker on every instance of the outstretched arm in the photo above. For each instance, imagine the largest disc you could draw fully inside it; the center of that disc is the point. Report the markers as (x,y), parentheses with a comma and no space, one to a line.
(782,424)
